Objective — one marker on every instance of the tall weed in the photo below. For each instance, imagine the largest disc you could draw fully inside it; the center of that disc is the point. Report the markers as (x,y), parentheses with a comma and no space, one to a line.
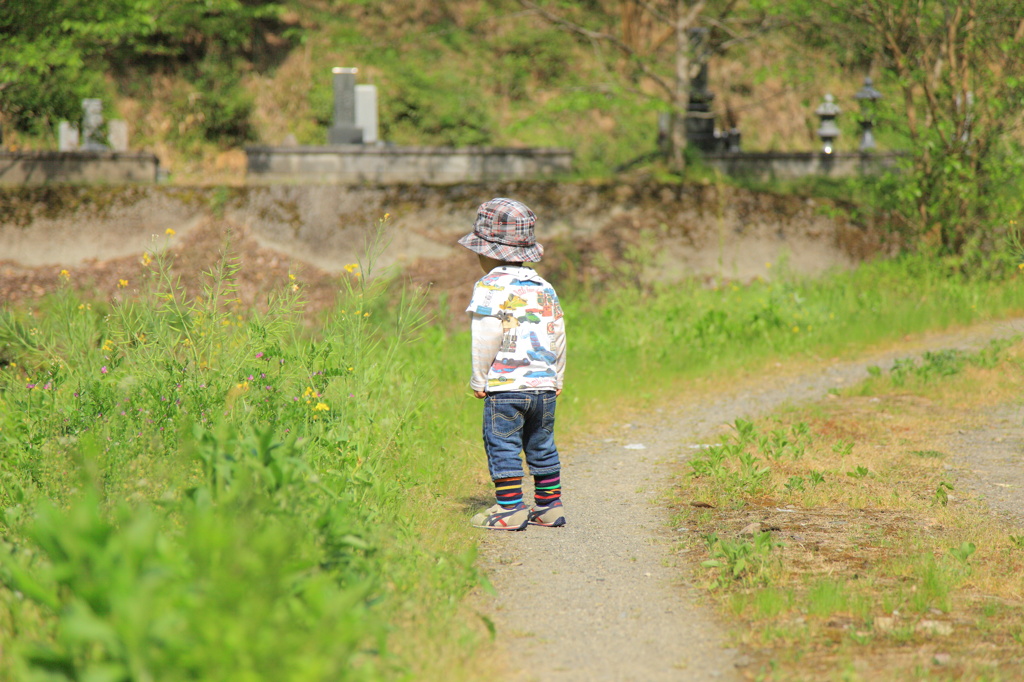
(190,489)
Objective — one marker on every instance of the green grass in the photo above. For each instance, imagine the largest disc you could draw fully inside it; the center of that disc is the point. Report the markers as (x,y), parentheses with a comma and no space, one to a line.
(169,462)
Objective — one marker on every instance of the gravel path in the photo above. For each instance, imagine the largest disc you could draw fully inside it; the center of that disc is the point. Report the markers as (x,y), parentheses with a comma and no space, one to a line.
(603,598)
(990,461)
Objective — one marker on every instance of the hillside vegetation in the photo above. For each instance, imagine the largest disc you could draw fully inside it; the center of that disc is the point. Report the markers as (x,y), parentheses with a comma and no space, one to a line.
(198,81)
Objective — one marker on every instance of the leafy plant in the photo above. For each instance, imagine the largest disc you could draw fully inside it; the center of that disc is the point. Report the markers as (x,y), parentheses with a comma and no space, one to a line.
(858,472)
(842,447)
(740,560)
(963,553)
(795,484)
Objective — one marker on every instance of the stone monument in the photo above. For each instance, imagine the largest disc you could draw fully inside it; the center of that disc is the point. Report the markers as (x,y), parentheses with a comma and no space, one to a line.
(344,130)
(828,131)
(700,122)
(92,125)
(366,113)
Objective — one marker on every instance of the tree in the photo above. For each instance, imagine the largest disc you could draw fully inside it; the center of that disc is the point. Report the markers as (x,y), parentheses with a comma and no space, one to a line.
(957,65)
(55,52)
(44,68)
(651,43)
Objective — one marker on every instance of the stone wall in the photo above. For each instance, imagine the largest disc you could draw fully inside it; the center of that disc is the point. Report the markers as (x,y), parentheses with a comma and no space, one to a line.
(767,166)
(676,231)
(103,167)
(368,164)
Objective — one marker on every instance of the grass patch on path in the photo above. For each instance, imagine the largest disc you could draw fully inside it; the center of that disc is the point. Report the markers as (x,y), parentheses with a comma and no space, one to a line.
(839,539)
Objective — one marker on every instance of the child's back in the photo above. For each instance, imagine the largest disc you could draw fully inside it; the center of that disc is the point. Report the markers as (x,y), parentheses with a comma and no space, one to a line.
(518,365)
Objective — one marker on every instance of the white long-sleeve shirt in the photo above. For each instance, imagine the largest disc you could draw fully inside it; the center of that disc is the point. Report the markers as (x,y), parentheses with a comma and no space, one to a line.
(519,341)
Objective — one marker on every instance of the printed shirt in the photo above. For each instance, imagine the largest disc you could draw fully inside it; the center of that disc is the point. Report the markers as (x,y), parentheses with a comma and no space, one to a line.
(531,355)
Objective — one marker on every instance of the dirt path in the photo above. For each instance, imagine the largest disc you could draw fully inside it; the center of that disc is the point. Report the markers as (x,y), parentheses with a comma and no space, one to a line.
(604,598)
(990,460)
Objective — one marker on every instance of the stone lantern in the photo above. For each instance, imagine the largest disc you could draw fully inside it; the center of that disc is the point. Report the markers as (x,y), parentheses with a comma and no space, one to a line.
(828,131)
(868,97)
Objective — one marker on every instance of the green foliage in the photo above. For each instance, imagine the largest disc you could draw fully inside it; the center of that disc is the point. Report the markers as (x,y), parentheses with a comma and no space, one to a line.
(53,54)
(740,560)
(934,365)
(222,448)
(187,491)
(942,494)
(858,472)
(737,470)
(960,185)
(963,553)
(781,443)
(415,114)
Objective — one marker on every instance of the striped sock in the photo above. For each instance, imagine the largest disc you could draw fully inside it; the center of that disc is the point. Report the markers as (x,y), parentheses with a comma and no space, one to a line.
(547,489)
(509,491)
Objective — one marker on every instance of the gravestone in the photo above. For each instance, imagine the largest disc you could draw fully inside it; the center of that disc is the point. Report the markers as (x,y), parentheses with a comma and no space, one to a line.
(366,112)
(117,134)
(92,124)
(344,130)
(67,137)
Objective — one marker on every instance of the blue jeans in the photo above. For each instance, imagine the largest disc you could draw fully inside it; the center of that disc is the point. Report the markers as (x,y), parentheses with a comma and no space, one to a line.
(520,421)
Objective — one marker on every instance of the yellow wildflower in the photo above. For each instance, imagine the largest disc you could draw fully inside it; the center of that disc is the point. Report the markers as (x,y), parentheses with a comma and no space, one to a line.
(169,232)
(320,407)
(351,267)
(146,258)
(108,345)
(291,276)
(64,274)
(122,283)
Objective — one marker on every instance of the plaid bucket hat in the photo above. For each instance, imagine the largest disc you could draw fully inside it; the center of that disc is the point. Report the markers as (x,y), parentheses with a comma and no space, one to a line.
(504,231)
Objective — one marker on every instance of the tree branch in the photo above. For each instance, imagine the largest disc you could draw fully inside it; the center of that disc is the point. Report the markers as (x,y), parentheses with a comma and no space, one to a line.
(597,36)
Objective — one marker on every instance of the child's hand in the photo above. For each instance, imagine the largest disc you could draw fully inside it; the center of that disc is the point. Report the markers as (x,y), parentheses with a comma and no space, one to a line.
(480,394)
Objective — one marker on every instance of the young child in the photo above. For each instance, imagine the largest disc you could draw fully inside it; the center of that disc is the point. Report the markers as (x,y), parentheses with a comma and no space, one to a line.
(518,365)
